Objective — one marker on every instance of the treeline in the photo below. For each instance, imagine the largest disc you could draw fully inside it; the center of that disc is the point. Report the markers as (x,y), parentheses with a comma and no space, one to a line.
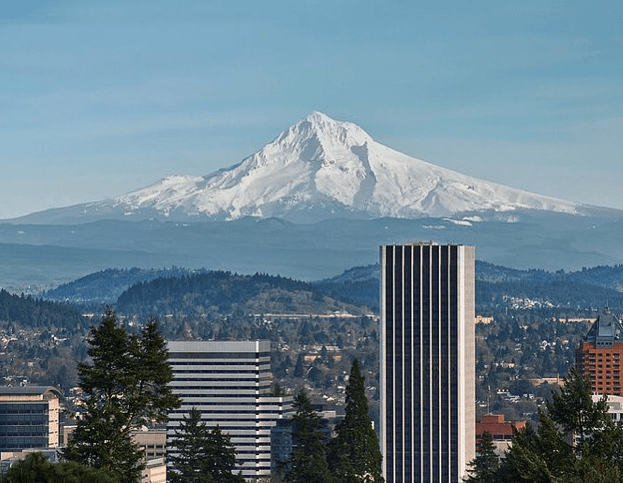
(558,293)
(152,291)
(105,286)
(221,292)
(33,312)
(496,286)
(575,440)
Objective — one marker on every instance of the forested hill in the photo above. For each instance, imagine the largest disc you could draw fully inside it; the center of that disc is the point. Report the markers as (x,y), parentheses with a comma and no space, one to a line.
(32,312)
(177,290)
(226,292)
(105,286)
(496,287)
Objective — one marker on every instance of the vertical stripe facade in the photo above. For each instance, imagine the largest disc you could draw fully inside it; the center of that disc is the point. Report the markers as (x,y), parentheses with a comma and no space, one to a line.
(427,362)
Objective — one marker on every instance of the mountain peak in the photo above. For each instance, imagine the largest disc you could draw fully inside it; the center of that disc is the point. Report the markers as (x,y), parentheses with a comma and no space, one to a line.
(320,168)
(327,131)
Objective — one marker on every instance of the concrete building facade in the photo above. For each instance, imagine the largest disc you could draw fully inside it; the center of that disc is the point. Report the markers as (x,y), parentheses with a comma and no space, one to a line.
(229,382)
(29,417)
(427,362)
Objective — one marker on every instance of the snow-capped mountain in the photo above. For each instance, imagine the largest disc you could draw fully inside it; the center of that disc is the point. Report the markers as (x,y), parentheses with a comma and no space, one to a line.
(321,168)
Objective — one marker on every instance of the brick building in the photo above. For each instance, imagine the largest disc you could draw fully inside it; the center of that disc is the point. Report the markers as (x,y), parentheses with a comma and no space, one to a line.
(501,431)
(599,356)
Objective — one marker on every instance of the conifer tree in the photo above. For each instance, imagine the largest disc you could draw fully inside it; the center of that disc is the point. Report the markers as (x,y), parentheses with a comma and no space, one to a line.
(354,454)
(202,455)
(307,463)
(576,441)
(483,469)
(37,468)
(125,386)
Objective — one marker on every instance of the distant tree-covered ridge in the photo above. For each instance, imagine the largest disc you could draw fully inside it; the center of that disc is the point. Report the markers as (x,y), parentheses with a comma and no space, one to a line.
(496,286)
(33,312)
(226,292)
(106,285)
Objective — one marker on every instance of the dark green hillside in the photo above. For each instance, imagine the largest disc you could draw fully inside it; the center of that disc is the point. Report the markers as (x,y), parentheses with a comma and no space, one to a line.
(106,285)
(31,312)
(498,287)
(224,293)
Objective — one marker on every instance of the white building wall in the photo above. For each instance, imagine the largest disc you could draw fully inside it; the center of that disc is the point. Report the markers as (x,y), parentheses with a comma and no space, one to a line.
(230,383)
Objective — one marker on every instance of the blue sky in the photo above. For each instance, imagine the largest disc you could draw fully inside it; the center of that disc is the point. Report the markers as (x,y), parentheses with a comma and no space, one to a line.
(101,98)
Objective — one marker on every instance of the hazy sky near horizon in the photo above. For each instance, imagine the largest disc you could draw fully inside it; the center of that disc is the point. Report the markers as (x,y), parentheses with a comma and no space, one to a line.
(101,98)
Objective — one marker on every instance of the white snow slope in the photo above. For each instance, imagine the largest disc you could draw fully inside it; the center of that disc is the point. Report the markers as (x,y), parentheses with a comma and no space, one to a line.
(320,168)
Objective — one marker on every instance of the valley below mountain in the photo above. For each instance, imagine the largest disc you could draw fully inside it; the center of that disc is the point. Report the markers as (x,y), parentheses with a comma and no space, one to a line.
(35,257)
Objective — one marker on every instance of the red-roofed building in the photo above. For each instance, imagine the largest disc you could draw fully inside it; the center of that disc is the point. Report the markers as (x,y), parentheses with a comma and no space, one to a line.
(500,430)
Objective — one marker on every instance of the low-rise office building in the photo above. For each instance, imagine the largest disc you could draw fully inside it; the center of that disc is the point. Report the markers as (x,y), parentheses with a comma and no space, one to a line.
(29,418)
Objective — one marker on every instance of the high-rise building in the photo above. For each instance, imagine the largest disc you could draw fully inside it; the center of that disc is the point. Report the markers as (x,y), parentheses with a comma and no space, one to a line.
(427,362)
(229,382)
(600,354)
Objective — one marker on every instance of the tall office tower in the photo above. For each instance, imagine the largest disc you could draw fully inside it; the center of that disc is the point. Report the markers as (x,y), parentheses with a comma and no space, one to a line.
(600,355)
(427,362)
(230,384)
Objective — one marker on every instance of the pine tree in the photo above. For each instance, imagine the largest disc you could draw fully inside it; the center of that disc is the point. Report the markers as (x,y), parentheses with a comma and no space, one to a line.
(354,454)
(202,455)
(576,441)
(222,458)
(37,468)
(483,469)
(125,386)
(189,460)
(307,464)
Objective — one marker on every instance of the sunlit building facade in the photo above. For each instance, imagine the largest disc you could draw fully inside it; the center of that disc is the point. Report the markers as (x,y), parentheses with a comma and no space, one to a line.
(229,382)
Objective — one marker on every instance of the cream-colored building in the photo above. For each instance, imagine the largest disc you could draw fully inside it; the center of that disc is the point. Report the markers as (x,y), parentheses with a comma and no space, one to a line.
(155,471)
(153,442)
(29,417)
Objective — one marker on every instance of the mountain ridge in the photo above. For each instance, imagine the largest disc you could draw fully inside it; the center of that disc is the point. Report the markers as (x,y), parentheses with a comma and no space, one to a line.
(317,169)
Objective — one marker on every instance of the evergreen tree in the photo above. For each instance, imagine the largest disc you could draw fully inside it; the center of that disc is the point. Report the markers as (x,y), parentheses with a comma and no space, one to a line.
(576,441)
(307,463)
(36,468)
(483,469)
(222,458)
(125,385)
(354,454)
(201,455)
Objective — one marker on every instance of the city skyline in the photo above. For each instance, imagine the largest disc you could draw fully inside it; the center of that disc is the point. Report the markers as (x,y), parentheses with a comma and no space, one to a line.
(102,100)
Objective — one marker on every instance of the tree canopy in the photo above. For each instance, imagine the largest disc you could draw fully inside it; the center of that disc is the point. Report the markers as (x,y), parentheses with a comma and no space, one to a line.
(576,441)
(36,468)
(201,455)
(307,463)
(354,454)
(125,386)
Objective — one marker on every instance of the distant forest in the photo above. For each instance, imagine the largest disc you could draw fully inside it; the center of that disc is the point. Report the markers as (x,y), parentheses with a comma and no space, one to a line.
(173,290)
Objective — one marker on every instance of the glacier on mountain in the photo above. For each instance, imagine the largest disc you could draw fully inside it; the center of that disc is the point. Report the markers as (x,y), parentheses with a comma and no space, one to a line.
(320,168)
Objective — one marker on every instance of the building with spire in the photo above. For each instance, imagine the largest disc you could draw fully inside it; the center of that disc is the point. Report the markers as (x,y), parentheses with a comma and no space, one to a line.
(600,354)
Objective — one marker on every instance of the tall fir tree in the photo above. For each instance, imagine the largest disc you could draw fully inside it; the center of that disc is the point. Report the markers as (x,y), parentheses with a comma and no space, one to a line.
(125,386)
(202,455)
(307,463)
(484,468)
(576,441)
(354,455)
